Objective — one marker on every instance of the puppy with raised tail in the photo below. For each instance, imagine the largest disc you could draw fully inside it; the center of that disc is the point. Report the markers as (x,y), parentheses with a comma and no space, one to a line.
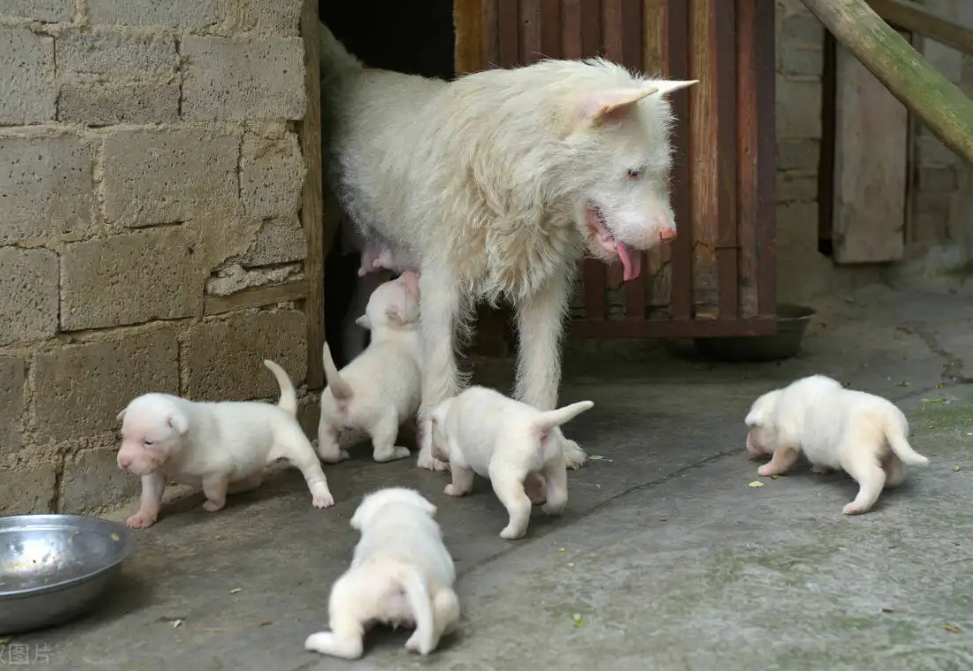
(518,447)
(223,447)
(837,429)
(401,574)
(381,388)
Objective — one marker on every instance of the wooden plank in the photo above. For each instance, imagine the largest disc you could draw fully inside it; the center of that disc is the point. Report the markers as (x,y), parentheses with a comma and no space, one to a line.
(489,34)
(550,28)
(747,136)
(923,21)
(591,41)
(257,297)
(595,284)
(871,140)
(571,29)
(764,50)
(469,43)
(613,29)
(677,67)
(723,34)
(508,41)
(529,30)
(654,37)
(312,197)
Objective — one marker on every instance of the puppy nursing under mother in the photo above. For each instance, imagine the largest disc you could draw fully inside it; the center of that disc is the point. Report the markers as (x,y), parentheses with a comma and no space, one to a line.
(498,183)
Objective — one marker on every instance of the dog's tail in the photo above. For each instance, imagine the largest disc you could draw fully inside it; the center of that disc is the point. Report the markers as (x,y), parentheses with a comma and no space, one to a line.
(288,397)
(421,605)
(336,60)
(896,430)
(552,418)
(338,385)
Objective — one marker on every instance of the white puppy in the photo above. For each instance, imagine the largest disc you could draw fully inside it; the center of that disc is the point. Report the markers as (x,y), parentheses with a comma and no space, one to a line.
(518,447)
(499,182)
(837,429)
(222,446)
(380,389)
(401,574)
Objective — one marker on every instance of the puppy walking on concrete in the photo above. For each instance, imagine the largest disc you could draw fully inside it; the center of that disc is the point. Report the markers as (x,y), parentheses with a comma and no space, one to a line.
(222,446)
(498,182)
(518,447)
(401,575)
(380,389)
(837,429)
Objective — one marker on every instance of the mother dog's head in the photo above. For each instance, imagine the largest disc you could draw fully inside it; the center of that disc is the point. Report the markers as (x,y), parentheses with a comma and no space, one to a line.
(620,157)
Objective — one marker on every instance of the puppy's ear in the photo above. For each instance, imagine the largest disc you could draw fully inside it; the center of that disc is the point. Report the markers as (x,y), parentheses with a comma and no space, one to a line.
(364,322)
(178,421)
(394,313)
(360,517)
(121,415)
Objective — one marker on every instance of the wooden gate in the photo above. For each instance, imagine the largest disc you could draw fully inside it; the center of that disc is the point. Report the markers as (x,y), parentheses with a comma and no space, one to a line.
(718,278)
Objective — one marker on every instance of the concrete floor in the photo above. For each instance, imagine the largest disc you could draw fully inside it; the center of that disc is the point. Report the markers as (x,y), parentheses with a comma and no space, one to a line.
(671,559)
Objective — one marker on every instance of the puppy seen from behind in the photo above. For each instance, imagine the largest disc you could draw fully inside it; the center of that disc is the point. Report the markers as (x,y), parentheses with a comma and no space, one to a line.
(518,447)
(401,574)
(836,429)
(223,447)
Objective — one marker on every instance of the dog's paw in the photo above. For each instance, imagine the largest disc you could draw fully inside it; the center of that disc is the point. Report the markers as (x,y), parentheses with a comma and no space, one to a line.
(854,509)
(766,470)
(452,491)
(326,643)
(414,644)
(512,533)
(324,500)
(140,520)
(427,461)
(213,506)
(574,456)
(332,458)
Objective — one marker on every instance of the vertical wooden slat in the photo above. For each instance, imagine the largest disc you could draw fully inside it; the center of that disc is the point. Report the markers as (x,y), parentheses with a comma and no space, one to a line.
(677,67)
(488,22)
(468,41)
(723,34)
(508,41)
(550,29)
(654,40)
(613,31)
(591,41)
(632,34)
(529,30)
(747,152)
(766,159)
(595,285)
(312,197)
(571,28)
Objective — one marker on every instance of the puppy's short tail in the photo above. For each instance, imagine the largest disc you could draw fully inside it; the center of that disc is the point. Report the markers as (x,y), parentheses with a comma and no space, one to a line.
(895,432)
(288,397)
(338,385)
(419,602)
(552,418)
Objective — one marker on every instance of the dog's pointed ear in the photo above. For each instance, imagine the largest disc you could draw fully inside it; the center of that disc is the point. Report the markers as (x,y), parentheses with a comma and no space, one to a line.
(600,106)
(394,313)
(666,86)
(121,415)
(364,322)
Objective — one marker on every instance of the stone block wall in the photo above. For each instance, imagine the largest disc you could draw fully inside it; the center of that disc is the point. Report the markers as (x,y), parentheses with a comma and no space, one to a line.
(149,166)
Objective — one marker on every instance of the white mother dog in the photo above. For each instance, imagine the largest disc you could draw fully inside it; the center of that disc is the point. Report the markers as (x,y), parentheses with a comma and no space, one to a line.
(498,182)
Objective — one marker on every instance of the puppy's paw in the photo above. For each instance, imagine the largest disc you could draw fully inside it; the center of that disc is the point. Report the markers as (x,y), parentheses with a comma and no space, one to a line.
(820,470)
(854,509)
(322,500)
(427,461)
(213,506)
(140,520)
(452,491)
(574,456)
(766,470)
(415,644)
(512,533)
(326,643)
(332,458)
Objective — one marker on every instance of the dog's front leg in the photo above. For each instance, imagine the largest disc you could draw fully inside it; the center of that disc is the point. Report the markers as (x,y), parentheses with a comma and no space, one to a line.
(440,309)
(214,487)
(540,320)
(150,501)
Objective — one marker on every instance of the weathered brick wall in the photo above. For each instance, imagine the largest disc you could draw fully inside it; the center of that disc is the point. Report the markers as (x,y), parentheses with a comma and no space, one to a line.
(148,160)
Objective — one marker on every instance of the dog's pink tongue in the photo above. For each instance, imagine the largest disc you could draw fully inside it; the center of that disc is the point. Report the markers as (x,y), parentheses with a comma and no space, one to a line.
(631,260)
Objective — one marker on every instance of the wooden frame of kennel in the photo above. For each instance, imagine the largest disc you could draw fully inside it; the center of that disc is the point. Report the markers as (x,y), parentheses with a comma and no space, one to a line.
(719,277)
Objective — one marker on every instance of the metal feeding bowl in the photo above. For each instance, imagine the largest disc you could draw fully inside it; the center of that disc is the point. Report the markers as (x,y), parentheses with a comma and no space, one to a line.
(792,321)
(53,568)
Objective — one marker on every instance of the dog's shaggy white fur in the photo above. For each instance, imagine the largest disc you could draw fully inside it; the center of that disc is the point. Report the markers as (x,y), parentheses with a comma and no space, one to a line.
(498,182)
(516,446)
(379,390)
(222,446)
(837,429)
(401,574)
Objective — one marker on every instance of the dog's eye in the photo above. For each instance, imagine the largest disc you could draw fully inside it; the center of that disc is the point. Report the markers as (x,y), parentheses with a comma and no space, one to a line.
(147,442)
(635,173)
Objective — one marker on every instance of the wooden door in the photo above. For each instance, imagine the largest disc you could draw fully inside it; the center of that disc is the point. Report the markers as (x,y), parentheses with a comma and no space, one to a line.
(718,278)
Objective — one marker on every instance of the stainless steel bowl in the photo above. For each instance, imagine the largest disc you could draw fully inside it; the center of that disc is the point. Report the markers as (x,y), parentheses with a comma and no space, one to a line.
(53,568)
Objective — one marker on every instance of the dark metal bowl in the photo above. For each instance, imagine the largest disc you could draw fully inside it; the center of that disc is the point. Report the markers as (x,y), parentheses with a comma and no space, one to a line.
(53,568)
(792,321)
